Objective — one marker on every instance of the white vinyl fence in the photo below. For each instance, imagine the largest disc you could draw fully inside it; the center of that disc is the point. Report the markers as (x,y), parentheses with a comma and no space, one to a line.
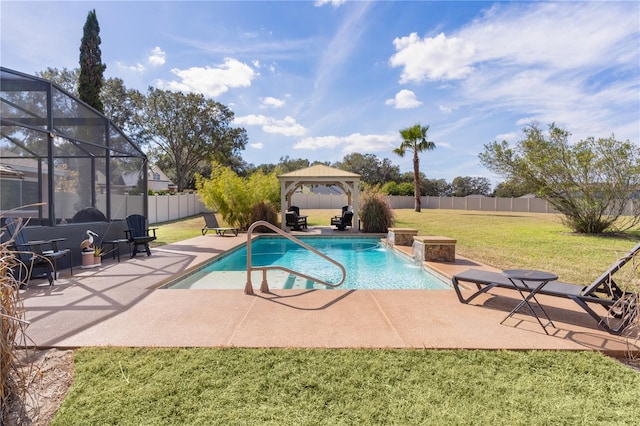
(532,205)
(170,207)
(163,208)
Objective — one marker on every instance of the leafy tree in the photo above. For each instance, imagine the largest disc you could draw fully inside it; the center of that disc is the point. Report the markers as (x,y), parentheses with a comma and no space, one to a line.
(91,66)
(388,171)
(589,182)
(235,197)
(511,189)
(122,105)
(65,78)
(414,139)
(408,177)
(372,171)
(187,130)
(436,188)
(287,164)
(469,185)
(366,165)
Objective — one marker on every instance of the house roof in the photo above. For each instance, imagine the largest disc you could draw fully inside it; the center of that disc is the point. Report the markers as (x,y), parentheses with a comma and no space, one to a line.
(320,171)
(10,172)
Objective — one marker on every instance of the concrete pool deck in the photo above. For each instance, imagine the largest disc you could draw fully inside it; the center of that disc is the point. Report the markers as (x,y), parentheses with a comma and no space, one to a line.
(118,305)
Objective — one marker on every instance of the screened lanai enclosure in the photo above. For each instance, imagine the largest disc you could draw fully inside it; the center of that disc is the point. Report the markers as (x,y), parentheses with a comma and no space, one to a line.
(62,163)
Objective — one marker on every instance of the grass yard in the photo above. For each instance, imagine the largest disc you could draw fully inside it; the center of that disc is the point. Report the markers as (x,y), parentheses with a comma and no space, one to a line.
(348,387)
(230,386)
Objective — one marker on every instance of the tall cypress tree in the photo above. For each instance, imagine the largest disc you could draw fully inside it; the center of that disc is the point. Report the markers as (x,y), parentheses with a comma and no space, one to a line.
(91,66)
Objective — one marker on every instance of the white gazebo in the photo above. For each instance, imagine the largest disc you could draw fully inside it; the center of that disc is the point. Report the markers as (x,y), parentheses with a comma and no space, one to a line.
(319,175)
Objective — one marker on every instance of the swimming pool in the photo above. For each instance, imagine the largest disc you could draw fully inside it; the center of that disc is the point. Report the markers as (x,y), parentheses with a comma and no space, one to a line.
(369,264)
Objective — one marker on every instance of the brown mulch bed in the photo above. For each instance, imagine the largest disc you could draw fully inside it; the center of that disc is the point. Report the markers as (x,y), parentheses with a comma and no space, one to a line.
(50,375)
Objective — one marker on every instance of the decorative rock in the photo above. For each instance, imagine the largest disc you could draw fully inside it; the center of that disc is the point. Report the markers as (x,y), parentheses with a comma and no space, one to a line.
(401,236)
(434,248)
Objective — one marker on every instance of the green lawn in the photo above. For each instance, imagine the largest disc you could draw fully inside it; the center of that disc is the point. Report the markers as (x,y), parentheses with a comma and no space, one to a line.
(155,386)
(348,387)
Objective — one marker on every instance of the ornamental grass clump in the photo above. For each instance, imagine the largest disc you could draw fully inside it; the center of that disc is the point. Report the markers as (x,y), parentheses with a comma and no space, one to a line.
(14,377)
(375,213)
(264,211)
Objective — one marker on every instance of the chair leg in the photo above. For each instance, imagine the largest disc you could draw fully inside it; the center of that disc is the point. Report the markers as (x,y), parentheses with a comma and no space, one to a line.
(134,251)
(51,272)
(146,246)
(71,262)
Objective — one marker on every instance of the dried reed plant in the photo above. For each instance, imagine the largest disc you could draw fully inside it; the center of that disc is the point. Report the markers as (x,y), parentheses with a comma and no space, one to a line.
(16,372)
(375,212)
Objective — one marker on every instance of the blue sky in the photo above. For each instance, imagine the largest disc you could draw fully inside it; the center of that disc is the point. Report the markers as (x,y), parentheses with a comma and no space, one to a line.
(319,80)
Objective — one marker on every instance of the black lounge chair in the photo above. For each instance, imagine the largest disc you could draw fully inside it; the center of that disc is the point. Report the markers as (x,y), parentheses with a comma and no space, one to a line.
(341,222)
(294,221)
(138,234)
(36,254)
(604,291)
(211,224)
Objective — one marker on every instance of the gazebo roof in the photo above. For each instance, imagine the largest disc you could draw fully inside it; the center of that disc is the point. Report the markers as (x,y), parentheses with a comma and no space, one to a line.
(320,171)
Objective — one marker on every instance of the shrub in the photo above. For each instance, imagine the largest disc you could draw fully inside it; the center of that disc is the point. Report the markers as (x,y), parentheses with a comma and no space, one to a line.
(375,213)
(393,188)
(234,197)
(264,211)
(389,188)
(406,188)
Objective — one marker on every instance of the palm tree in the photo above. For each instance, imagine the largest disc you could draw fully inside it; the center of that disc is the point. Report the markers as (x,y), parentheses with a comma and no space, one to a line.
(414,139)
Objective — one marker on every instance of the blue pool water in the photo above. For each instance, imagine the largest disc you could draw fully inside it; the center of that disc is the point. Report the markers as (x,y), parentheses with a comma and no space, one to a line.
(369,265)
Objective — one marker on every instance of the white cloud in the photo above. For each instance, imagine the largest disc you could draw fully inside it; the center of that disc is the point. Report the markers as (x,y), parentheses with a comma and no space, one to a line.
(270,101)
(251,120)
(447,109)
(135,68)
(211,81)
(557,35)
(334,3)
(509,137)
(404,99)
(525,121)
(257,145)
(572,63)
(438,58)
(352,143)
(287,126)
(157,56)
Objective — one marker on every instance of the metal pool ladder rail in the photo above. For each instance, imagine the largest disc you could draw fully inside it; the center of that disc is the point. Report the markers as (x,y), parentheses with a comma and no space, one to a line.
(264,287)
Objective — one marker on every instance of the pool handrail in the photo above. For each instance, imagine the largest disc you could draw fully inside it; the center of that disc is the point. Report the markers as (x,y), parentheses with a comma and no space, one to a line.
(264,286)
